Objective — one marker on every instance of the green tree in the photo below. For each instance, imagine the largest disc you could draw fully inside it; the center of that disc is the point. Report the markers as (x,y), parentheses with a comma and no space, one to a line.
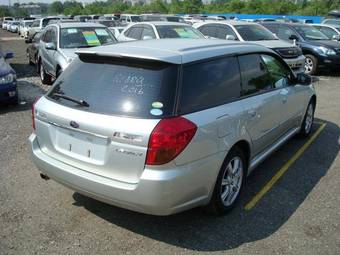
(56,8)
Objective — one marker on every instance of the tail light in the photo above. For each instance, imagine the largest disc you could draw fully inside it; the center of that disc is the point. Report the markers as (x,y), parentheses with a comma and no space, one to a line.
(168,139)
(33,112)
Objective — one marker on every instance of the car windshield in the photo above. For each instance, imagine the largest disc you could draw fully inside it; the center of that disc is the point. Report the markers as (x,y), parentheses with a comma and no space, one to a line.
(333,22)
(310,33)
(82,37)
(178,31)
(254,32)
(136,19)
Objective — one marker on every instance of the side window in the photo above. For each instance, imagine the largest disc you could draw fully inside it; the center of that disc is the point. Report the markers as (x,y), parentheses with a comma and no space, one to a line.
(285,33)
(134,32)
(209,84)
(47,36)
(277,72)
(148,33)
(327,31)
(54,36)
(208,30)
(223,31)
(255,78)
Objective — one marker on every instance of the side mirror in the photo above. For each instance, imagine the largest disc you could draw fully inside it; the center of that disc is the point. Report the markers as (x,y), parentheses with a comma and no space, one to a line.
(9,55)
(230,38)
(147,37)
(50,46)
(336,37)
(304,79)
(293,37)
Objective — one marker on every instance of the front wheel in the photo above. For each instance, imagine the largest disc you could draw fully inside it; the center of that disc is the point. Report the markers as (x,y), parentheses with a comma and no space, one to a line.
(229,183)
(44,77)
(306,126)
(311,64)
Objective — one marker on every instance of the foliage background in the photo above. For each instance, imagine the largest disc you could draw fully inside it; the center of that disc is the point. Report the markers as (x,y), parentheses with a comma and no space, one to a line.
(296,7)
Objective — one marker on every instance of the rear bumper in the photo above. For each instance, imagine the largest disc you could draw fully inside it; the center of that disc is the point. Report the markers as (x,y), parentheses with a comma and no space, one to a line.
(158,192)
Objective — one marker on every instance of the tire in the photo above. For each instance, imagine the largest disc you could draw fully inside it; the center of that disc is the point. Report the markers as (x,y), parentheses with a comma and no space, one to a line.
(58,73)
(44,77)
(308,120)
(311,64)
(222,201)
(30,62)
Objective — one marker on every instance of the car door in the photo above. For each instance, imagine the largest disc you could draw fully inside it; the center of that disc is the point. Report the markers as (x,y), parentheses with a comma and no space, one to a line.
(261,102)
(47,55)
(291,97)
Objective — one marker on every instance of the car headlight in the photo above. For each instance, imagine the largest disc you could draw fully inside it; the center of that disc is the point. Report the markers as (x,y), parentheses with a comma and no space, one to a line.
(326,51)
(9,78)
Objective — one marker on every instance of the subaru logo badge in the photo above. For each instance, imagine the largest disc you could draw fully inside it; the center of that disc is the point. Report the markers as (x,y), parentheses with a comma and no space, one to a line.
(74,124)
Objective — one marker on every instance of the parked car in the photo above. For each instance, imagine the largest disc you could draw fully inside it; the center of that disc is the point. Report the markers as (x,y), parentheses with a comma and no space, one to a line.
(8,24)
(8,81)
(161,17)
(159,30)
(320,52)
(130,18)
(40,24)
(331,31)
(24,27)
(60,41)
(335,22)
(161,126)
(253,32)
(82,18)
(4,21)
(33,49)
(14,26)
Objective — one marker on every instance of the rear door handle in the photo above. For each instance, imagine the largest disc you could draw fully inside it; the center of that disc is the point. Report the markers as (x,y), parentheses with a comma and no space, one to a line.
(252,113)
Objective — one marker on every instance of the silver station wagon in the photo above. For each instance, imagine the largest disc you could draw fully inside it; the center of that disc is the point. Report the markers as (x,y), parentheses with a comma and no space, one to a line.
(161,126)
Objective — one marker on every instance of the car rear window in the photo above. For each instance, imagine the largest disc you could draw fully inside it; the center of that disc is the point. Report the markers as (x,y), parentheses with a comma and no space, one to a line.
(123,87)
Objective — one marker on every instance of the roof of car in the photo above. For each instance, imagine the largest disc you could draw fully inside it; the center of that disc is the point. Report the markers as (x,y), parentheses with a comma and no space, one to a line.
(175,51)
(162,23)
(77,24)
(230,22)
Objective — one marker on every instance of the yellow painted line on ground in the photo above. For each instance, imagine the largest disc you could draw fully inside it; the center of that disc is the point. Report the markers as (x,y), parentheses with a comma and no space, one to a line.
(283,170)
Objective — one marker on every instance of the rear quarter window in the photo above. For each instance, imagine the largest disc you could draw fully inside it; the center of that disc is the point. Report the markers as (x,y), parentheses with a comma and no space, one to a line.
(209,84)
(119,87)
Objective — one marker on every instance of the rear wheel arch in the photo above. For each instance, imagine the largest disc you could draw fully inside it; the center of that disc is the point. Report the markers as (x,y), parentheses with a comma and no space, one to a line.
(244,146)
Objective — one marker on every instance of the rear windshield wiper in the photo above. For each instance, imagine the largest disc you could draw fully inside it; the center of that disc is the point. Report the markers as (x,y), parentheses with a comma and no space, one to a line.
(74,100)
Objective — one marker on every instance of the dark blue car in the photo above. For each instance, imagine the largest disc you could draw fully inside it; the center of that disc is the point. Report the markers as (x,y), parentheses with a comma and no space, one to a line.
(8,81)
(320,52)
